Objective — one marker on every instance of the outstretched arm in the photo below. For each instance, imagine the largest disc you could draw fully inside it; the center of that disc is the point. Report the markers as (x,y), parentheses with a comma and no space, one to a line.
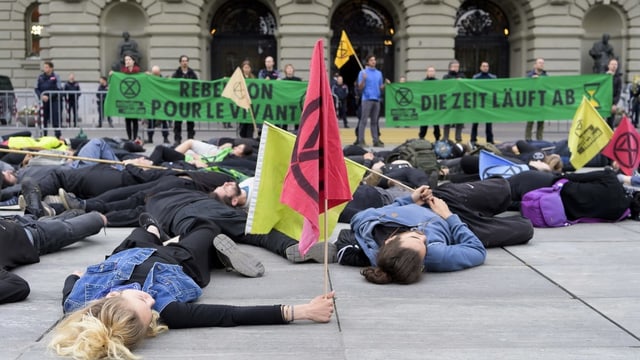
(189,315)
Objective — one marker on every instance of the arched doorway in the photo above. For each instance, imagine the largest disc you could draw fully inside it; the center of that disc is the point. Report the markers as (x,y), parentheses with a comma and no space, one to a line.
(116,19)
(483,35)
(370,29)
(240,30)
(600,20)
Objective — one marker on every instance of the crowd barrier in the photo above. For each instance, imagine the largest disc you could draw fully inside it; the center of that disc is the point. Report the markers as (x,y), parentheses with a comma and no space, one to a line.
(22,110)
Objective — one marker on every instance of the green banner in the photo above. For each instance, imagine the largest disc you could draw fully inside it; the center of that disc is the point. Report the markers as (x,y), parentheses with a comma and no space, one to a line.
(145,96)
(499,100)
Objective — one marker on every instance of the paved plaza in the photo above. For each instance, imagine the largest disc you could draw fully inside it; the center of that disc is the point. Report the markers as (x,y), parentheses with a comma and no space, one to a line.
(571,293)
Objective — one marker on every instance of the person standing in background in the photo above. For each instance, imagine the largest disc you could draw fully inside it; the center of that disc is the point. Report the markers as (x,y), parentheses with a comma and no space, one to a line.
(371,83)
(49,81)
(340,90)
(269,72)
(483,74)
(155,71)
(538,70)
(422,133)
(454,73)
(183,72)
(289,75)
(72,99)
(103,88)
(612,69)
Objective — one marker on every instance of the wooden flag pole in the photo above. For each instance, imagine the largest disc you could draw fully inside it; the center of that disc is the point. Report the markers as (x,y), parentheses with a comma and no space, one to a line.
(71,157)
(326,247)
(253,120)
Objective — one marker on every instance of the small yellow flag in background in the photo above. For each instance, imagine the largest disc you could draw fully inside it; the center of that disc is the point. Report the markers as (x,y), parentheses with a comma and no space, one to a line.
(345,50)
(236,90)
(588,135)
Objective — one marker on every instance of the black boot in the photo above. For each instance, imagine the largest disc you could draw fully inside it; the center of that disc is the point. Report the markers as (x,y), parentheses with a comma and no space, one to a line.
(33,198)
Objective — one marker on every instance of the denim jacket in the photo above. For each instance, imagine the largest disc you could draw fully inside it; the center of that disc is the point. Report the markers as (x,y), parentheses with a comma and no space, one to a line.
(451,245)
(165,283)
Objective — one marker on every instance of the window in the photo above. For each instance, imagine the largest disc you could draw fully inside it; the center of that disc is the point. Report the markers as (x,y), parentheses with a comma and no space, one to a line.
(33,31)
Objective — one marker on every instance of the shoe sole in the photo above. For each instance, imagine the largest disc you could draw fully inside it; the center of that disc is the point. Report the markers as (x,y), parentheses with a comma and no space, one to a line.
(315,253)
(63,199)
(240,261)
(22,203)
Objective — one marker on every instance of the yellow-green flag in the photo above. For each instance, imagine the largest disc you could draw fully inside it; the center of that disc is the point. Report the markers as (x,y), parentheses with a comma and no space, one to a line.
(266,212)
(344,51)
(588,135)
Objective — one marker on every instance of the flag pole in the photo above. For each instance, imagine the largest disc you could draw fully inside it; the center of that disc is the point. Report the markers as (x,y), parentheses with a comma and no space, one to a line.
(406,187)
(326,247)
(71,157)
(359,63)
(253,120)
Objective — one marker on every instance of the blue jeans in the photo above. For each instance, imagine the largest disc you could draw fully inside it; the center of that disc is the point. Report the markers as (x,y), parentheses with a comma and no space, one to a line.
(95,149)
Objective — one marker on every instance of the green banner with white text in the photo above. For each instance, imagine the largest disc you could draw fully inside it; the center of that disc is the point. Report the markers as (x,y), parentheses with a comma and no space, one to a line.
(496,100)
(144,96)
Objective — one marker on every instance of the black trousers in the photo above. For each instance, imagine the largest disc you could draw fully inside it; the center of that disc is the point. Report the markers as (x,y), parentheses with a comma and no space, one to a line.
(152,124)
(51,113)
(177,130)
(132,128)
(94,180)
(194,251)
(13,288)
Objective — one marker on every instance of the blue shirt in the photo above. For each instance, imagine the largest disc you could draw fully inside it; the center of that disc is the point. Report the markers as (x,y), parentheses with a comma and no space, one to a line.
(451,245)
(165,283)
(372,84)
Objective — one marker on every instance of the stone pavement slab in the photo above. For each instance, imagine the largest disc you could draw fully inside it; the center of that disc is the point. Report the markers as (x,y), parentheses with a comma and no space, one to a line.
(571,293)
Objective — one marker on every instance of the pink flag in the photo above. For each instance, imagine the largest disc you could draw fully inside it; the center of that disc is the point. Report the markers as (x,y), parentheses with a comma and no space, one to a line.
(623,147)
(317,171)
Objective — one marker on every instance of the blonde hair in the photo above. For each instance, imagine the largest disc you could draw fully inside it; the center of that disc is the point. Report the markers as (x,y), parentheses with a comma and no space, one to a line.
(106,328)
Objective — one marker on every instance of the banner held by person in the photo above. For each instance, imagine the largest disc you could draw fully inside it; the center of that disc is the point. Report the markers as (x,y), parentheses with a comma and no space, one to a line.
(266,212)
(317,178)
(153,97)
(623,147)
(499,100)
(589,134)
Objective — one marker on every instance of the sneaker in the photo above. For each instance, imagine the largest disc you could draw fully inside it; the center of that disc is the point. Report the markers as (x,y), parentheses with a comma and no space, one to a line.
(145,220)
(232,257)
(378,143)
(10,204)
(315,253)
(47,210)
(70,201)
(52,199)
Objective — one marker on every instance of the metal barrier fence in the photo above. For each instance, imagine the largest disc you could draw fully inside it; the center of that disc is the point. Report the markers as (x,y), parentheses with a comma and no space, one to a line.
(22,110)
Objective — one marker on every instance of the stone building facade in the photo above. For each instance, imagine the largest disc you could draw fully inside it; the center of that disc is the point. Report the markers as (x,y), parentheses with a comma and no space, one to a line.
(406,35)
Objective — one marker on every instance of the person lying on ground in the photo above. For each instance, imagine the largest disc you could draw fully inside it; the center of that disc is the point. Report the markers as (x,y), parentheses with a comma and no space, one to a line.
(110,309)
(415,233)
(476,204)
(121,205)
(595,194)
(23,239)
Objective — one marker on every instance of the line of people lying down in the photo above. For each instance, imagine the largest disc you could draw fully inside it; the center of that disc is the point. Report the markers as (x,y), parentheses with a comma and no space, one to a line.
(395,236)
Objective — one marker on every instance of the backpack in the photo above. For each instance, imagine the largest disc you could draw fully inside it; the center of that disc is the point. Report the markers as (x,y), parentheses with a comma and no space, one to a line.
(544,206)
(418,152)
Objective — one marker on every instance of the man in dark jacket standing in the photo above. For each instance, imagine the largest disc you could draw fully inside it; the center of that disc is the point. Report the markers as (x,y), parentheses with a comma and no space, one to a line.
(612,67)
(454,73)
(483,74)
(183,72)
(49,81)
(72,96)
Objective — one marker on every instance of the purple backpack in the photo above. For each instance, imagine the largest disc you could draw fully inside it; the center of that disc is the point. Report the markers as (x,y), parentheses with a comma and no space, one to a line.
(544,206)
(545,209)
